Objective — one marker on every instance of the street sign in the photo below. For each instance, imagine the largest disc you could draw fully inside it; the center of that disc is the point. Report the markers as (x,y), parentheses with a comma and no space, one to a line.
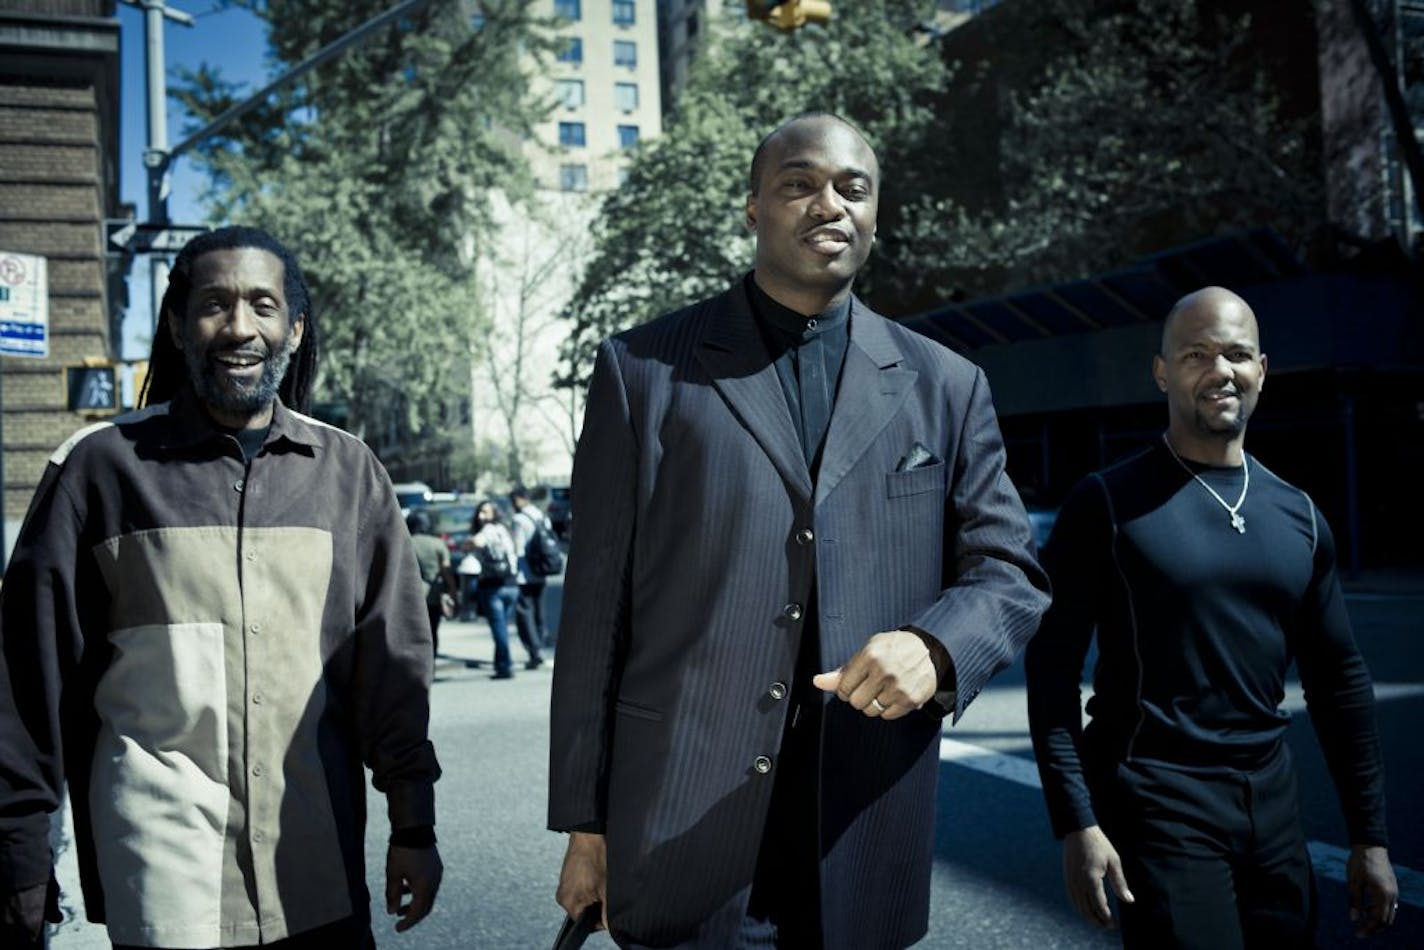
(143,238)
(24,305)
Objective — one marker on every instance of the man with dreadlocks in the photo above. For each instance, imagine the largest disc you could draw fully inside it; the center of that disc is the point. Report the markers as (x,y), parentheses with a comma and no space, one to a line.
(213,619)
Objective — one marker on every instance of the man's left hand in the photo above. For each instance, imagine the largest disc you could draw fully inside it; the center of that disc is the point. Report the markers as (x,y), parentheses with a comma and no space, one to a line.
(415,872)
(1374,893)
(890,677)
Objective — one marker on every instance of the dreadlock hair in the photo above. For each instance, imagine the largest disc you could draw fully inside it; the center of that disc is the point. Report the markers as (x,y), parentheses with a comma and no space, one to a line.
(167,371)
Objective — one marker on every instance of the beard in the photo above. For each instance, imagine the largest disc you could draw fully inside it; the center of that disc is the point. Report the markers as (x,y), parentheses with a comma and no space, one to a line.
(236,396)
(1223,427)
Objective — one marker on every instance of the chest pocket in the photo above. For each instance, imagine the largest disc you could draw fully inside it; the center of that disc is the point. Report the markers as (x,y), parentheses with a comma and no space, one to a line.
(915,481)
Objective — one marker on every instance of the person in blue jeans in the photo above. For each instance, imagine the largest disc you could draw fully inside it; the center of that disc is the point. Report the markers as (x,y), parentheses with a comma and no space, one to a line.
(497,588)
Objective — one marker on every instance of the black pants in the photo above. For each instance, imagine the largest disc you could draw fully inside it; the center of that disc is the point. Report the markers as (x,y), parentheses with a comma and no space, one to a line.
(348,934)
(1215,859)
(436,613)
(529,618)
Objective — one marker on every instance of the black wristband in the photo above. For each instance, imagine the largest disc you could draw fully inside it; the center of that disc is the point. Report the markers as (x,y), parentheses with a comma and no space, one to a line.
(416,836)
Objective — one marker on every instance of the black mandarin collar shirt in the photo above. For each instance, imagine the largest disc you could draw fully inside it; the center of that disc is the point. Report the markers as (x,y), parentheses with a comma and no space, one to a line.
(809,352)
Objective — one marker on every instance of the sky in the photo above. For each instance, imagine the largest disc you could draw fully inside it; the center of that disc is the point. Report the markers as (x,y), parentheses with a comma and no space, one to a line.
(233,40)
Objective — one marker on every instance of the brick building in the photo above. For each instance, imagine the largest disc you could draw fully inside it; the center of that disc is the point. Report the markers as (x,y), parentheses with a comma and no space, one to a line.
(59,137)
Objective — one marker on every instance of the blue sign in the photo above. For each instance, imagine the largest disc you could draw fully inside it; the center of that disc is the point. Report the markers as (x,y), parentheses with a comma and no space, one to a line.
(24,305)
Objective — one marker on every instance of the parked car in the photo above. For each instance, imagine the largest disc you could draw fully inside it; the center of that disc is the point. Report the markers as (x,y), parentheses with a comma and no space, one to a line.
(412,495)
(452,522)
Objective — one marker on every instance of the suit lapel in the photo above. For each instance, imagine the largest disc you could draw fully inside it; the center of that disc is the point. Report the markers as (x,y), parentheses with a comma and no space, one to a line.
(735,356)
(873,385)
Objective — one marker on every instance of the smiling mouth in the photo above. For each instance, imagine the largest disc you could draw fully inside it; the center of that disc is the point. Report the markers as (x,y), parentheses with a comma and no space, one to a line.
(828,241)
(238,362)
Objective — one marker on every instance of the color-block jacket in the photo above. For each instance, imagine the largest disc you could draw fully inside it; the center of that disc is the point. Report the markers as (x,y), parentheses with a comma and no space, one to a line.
(208,651)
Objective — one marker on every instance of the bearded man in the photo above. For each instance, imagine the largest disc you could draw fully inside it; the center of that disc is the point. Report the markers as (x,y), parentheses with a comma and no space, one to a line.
(213,620)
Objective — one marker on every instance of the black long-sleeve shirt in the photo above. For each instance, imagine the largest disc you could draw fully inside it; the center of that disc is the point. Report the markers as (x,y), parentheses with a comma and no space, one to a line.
(1196,627)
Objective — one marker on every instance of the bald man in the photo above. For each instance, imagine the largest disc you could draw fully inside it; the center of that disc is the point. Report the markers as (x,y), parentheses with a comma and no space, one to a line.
(797,553)
(1203,576)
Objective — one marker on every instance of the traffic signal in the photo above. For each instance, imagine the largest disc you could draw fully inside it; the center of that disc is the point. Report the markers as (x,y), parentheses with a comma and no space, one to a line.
(92,389)
(789,14)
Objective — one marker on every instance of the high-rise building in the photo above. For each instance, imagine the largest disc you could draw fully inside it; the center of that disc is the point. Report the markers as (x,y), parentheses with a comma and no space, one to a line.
(683,29)
(604,83)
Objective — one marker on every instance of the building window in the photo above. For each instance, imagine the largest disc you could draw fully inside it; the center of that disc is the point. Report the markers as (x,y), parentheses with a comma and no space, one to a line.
(627,136)
(623,12)
(570,92)
(625,53)
(568,9)
(625,96)
(572,51)
(571,134)
(573,177)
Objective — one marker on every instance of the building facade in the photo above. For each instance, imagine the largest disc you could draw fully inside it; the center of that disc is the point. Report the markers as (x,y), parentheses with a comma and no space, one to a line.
(59,131)
(605,90)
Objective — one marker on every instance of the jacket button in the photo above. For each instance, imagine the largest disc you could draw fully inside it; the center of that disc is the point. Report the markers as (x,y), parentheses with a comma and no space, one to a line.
(762,764)
(792,611)
(805,536)
(239,485)
(777,690)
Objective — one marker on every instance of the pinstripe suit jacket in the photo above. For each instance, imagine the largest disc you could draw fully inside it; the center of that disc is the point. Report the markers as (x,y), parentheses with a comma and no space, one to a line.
(687,576)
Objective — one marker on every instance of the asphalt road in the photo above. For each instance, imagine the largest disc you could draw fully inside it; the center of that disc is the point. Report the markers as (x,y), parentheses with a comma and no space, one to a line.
(996,878)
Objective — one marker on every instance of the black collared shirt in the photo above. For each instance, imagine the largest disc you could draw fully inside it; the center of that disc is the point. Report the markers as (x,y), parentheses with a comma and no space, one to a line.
(809,352)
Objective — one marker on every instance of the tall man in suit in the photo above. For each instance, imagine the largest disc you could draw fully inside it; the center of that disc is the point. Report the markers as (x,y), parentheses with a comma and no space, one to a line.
(797,552)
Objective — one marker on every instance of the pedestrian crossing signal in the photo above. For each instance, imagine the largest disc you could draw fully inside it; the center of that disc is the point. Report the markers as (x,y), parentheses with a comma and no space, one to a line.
(92,389)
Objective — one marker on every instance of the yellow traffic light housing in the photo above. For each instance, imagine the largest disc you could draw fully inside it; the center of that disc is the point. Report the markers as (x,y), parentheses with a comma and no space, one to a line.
(790,14)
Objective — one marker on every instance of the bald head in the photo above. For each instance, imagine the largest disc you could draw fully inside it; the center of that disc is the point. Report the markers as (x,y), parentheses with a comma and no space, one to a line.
(1212,369)
(1207,305)
(798,130)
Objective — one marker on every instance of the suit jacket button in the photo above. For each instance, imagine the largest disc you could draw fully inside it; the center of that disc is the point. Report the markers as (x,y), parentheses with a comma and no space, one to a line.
(777,690)
(805,536)
(762,764)
(792,611)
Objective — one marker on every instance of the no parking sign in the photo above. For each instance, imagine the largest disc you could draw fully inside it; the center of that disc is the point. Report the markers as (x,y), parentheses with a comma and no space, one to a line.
(24,305)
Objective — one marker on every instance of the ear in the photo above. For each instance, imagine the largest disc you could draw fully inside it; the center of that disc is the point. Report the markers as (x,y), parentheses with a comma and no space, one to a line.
(299,327)
(1261,383)
(751,212)
(1159,372)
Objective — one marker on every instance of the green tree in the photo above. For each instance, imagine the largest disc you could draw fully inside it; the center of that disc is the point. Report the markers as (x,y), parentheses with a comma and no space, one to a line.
(674,232)
(1038,142)
(377,168)
(1127,126)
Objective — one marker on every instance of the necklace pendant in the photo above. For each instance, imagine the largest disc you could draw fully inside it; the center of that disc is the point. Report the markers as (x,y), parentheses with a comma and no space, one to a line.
(1238,522)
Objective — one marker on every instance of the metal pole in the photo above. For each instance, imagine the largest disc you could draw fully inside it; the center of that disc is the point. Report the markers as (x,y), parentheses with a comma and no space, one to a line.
(153,156)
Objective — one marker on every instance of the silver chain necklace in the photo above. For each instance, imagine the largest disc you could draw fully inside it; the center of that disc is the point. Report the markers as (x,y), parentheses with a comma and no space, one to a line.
(1237,522)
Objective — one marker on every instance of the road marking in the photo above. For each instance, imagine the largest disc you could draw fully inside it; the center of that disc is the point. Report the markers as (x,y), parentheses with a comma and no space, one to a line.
(1012,767)
(1327,859)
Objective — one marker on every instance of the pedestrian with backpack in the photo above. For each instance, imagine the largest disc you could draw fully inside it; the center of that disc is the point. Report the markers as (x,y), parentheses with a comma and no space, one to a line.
(540,556)
(497,588)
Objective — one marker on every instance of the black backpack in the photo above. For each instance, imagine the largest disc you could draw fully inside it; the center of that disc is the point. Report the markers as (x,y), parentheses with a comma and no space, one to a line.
(543,554)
